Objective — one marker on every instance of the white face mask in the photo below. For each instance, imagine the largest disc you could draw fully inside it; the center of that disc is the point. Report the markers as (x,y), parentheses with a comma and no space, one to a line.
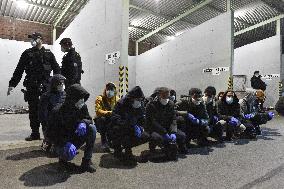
(63,50)
(61,88)
(172,98)
(80,103)
(229,100)
(136,104)
(33,43)
(196,102)
(164,101)
(110,93)
(256,75)
(206,99)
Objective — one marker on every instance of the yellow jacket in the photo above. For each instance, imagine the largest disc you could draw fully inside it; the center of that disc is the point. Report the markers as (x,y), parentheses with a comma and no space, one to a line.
(104,105)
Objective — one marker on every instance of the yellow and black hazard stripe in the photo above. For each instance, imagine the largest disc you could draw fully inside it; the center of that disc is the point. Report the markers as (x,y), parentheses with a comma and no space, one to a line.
(230,83)
(121,78)
(280,88)
(126,79)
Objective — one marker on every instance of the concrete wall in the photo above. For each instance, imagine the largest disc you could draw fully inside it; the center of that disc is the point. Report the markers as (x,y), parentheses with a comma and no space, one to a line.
(10,51)
(179,63)
(264,56)
(96,31)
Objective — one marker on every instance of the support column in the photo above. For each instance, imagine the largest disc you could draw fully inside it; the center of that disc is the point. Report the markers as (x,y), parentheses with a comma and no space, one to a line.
(125,39)
(229,5)
(53,34)
(136,48)
(278,27)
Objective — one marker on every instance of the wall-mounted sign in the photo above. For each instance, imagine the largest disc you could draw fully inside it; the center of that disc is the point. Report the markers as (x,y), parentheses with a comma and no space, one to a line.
(270,76)
(216,71)
(112,57)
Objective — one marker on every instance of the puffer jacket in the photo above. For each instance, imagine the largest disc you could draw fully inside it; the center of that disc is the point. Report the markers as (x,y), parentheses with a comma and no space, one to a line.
(104,106)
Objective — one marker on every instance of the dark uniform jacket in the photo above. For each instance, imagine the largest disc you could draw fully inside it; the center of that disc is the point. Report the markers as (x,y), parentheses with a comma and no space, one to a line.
(37,63)
(160,118)
(72,67)
(257,83)
(50,100)
(198,111)
(211,110)
(227,111)
(64,118)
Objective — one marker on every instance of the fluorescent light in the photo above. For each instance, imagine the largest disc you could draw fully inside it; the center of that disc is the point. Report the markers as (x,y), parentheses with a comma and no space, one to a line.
(22,4)
(178,33)
(135,23)
(130,27)
(171,37)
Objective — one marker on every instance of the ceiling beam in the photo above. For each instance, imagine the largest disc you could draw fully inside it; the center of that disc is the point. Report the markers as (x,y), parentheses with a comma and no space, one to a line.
(186,13)
(159,15)
(63,13)
(259,24)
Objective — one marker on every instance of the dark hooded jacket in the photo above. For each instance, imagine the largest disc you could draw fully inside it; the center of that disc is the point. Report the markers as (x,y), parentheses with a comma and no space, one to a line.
(280,106)
(124,115)
(226,111)
(64,118)
(211,110)
(51,99)
(160,118)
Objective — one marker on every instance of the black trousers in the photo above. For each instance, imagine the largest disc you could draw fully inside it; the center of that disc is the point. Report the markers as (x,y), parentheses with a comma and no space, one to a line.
(125,138)
(32,97)
(102,124)
(157,139)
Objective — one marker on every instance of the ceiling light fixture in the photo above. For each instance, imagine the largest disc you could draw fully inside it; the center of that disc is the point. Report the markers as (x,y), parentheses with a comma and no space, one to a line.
(22,4)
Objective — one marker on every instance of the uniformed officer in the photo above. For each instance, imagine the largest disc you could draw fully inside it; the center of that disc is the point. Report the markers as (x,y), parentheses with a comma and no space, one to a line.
(37,62)
(71,63)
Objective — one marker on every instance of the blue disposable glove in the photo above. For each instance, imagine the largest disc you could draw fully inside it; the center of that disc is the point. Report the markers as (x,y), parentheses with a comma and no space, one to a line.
(167,137)
(233,122)
(193,119)
(138,131)
(173,137)
(271,115)
(69,151)
(81,129)
(215,119)
(248,116)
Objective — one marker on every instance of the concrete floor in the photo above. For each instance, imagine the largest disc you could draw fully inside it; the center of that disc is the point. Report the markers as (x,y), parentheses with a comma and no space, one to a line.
(241,164)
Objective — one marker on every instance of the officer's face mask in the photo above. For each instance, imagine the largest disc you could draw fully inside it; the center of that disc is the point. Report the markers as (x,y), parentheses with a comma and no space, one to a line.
(196,101)
(136,104)
(229,100)
(80,103)
(33,43)
(172,98)
(256,75)
(61,88)
(164,101)
(110,93)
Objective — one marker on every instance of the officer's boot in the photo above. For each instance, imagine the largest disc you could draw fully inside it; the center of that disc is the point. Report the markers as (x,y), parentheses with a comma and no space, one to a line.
(129,155)
(87,166)
(33,136)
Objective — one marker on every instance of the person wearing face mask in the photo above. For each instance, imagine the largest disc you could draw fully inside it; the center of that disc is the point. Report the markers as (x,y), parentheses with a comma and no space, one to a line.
(228,109)
(50,99)
(70,126)
(127,125)
(252,117)
(173,96)
(37,62)
(256,82)
(279,107)
(71,63)
(195,116)
(161,124)
(104,106)
(209,99)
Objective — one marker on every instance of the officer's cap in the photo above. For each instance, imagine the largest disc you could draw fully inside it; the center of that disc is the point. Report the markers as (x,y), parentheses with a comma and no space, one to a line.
(65,41)
(35,35)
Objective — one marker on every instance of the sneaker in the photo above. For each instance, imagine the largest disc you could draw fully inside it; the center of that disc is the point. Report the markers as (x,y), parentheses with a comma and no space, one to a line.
(87,166)
(45,146)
